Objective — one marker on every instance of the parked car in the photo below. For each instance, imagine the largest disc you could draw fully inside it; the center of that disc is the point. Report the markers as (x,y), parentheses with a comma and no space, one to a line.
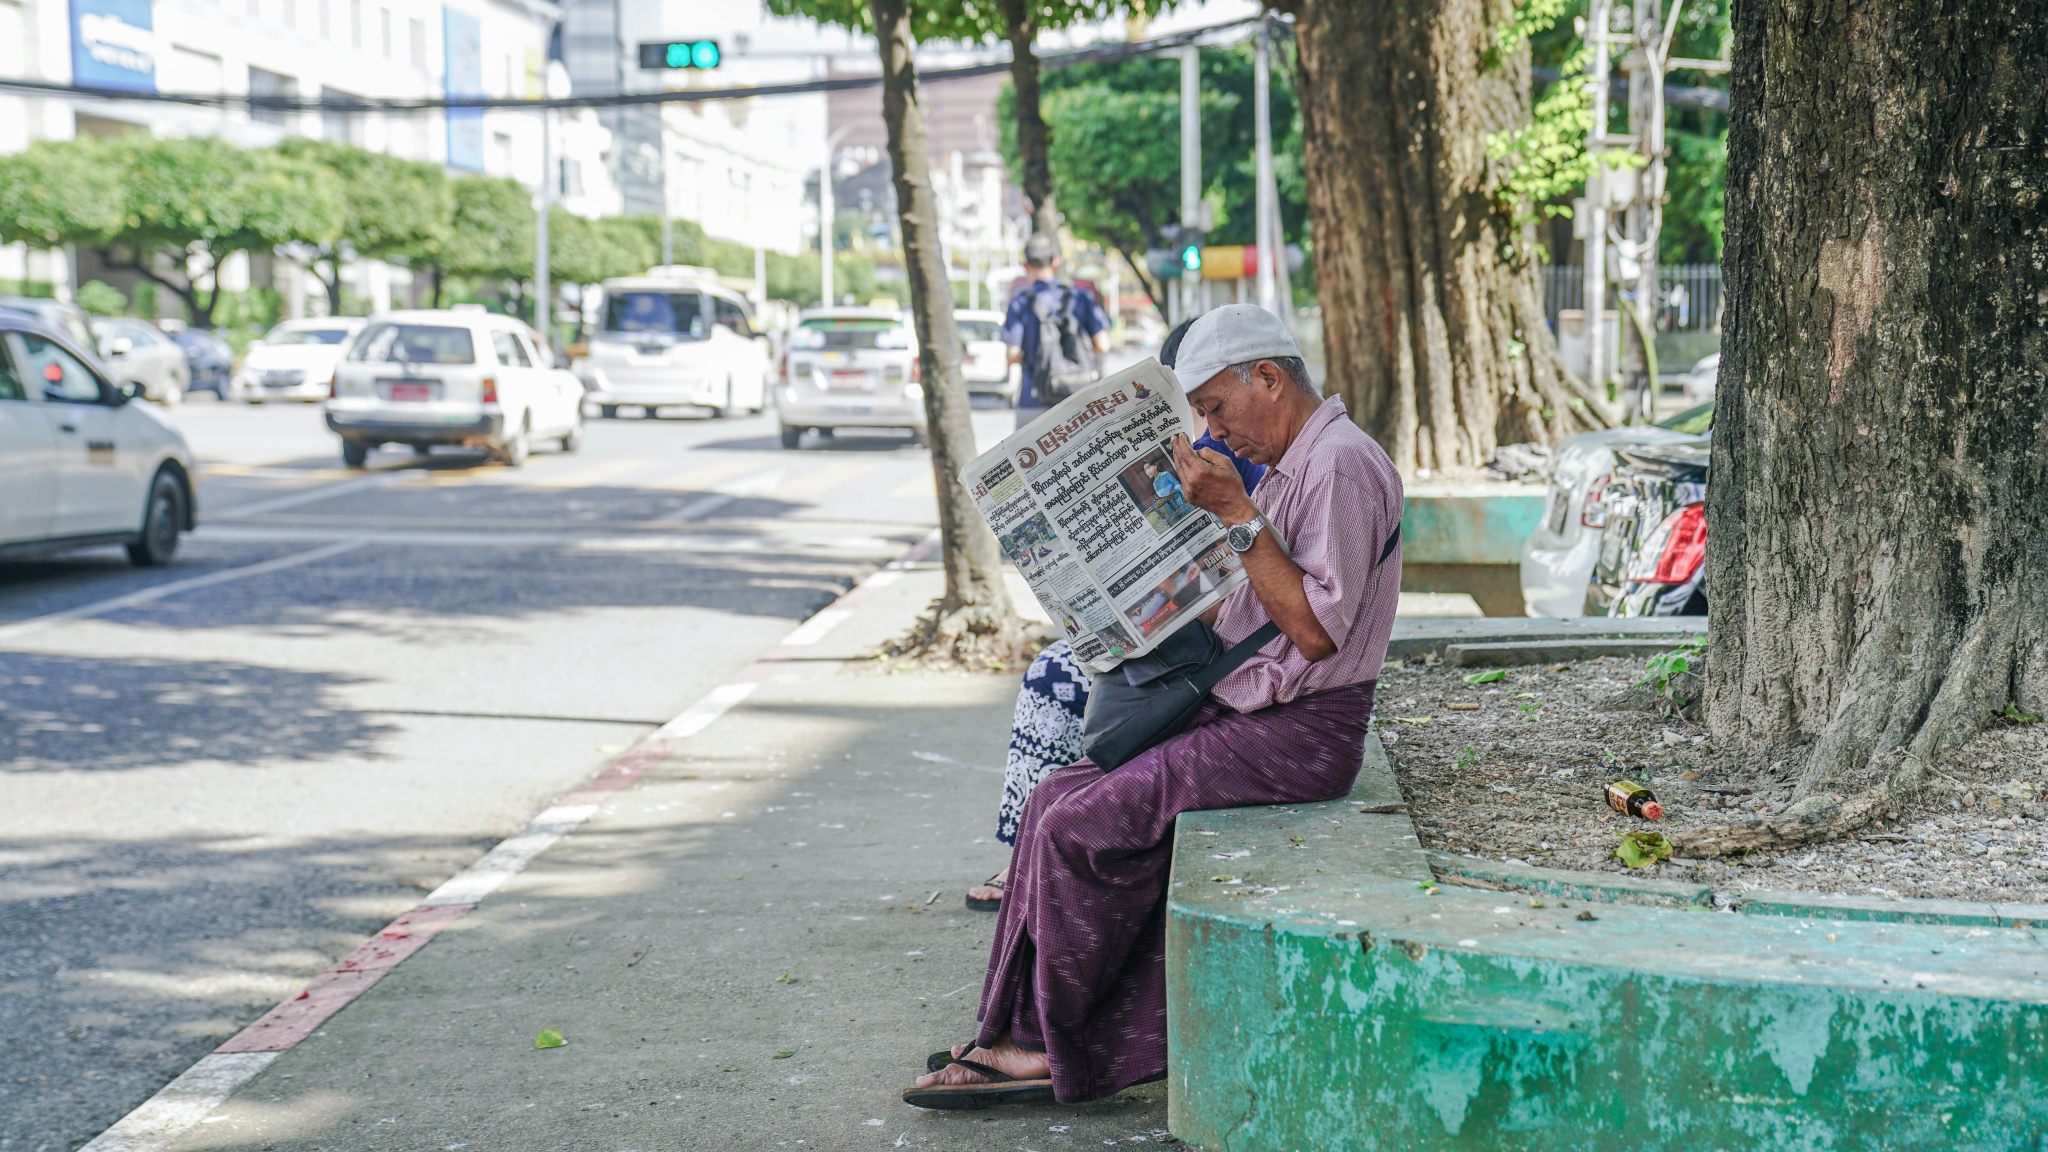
(211,361)
(850,368)
(1698,384)
(82,464)
(1558,557)
(1653,546)
(69,319)
(140,353)
(461,377)
(295,360)
(985,359)
(675,337)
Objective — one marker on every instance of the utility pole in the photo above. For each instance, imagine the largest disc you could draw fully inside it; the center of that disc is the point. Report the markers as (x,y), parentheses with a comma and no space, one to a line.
(1190,165)
(541,310)
(1646,211)
(826,207)
(1595,277)
(1265,211)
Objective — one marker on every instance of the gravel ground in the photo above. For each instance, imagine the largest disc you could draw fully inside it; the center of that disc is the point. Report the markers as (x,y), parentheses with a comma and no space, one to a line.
(1516,770)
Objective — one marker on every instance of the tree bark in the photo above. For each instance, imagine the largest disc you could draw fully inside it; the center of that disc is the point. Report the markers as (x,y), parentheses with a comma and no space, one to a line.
(1034,139)
(974,621)
(1879,570)
(1433,325)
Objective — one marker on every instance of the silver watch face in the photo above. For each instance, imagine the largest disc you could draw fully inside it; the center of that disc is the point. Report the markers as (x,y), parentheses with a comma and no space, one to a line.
(1241,537)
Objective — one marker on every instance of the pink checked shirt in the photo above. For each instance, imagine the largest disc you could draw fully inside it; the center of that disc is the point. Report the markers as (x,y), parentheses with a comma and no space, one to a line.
(1335,498)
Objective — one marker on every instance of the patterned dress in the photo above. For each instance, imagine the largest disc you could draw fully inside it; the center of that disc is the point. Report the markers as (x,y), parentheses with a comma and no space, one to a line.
(1046,731)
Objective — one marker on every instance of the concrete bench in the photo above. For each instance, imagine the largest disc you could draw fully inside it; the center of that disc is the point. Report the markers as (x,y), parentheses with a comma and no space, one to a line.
(1326,990)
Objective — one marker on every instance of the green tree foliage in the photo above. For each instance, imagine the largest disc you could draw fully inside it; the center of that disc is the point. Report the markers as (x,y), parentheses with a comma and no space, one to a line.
(393,208)
(585,251)
(204,199)
(1116,150)
(58,193)
(1547,160)
(491,231)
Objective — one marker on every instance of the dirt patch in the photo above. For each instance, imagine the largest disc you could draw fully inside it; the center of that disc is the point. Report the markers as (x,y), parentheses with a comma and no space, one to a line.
(1516,770)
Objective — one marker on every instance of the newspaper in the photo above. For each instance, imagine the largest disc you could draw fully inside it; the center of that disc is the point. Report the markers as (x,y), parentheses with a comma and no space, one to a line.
(1085,502)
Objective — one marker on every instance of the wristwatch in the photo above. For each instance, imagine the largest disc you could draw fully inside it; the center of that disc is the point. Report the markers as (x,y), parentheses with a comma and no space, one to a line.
(1241,537)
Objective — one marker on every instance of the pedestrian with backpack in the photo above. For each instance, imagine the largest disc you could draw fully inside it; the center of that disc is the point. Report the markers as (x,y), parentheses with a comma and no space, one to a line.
(1056,331)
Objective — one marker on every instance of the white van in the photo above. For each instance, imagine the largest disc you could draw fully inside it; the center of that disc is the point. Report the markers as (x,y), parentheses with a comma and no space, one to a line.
(674,337)
(468,378)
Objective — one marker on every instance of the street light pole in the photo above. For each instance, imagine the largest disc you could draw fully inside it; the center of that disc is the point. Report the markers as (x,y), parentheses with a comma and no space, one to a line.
(1595,278)
(826,207)
(1263,212)
(1190,163)
(556,85)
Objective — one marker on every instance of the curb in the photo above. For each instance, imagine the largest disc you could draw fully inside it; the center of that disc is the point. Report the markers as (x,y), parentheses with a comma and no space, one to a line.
(184,1102)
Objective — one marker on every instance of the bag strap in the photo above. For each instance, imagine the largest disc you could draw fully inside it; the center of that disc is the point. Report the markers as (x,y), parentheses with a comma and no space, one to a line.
(1393,542)
(1240,652)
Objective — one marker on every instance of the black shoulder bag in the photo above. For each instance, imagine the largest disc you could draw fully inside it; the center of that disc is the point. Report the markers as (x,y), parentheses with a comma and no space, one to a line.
(1147,700)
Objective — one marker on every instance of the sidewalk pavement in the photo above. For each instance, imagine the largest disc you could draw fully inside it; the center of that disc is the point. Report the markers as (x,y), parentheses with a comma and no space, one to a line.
(754,945)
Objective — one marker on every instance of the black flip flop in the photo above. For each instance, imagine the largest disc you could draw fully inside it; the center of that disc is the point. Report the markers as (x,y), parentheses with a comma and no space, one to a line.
(996,904)
(937,1061)
(1000,1088)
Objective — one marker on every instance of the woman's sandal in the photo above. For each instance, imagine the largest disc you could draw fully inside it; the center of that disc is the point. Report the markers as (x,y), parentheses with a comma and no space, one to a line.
(996,904)
(999,1088)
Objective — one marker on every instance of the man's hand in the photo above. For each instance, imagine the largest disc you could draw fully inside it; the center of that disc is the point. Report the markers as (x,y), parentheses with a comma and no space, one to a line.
(1211,483)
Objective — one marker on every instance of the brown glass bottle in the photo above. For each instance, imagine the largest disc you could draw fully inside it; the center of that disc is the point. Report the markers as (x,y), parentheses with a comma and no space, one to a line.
(1632,799)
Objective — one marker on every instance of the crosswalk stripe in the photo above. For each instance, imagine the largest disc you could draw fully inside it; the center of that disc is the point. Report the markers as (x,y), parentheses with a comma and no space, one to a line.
(824,478)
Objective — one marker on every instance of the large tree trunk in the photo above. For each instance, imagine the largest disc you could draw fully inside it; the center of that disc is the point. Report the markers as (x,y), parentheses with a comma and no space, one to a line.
(974,621)
(1879,571)
(1433,324)
(1034,139)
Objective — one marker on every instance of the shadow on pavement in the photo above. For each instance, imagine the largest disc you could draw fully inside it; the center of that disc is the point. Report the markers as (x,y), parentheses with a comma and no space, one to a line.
(73,713)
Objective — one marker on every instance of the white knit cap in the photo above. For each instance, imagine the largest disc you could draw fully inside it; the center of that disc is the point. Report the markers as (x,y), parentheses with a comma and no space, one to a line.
(1232,334)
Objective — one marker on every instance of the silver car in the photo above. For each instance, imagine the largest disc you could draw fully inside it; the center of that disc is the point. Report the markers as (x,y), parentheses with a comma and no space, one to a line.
(850,368)
(139,353)
(1558,557)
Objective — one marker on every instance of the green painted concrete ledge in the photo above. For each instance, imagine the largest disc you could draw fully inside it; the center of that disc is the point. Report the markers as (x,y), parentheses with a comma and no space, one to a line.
(1468,538)
(1319,998)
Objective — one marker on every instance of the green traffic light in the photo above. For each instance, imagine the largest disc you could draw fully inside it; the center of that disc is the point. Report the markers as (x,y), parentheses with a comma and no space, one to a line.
(704,54)
(1191,258)
(679,55)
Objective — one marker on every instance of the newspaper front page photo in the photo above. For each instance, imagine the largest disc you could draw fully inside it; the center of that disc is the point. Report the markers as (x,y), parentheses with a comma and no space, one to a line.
(1085,502)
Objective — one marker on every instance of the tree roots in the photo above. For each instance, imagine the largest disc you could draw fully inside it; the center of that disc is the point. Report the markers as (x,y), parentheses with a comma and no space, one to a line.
(970,638)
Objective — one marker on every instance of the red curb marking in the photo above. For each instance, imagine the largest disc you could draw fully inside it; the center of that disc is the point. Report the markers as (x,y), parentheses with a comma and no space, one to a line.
(332,990)
(354,974)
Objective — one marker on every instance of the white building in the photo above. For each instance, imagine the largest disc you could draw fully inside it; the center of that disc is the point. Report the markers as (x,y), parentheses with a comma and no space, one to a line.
(331,49)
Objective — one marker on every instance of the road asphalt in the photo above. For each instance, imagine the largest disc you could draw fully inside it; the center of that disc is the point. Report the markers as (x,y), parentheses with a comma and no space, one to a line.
(753,947)
(349,686)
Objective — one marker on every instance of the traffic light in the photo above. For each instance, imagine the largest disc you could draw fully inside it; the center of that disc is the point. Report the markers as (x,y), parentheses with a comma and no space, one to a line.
(1182,256)
(668,55)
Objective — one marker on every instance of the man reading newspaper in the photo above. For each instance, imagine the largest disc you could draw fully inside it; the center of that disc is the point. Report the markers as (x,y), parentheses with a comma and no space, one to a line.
(1074,1004)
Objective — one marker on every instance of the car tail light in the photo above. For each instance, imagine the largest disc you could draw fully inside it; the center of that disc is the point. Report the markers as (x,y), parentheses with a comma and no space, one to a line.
(1591,514)
(916,369)
(334,386)
(490,390)
(1673,553)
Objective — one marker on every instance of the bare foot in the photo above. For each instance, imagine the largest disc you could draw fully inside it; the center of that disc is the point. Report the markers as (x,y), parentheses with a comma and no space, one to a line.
(1006,1057)
(989,891)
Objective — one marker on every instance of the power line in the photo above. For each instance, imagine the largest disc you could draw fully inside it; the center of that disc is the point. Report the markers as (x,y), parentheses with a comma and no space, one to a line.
(358,105)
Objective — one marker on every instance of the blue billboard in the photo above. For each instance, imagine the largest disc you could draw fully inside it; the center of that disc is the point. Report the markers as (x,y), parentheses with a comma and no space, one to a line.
(113,44)
(463,38)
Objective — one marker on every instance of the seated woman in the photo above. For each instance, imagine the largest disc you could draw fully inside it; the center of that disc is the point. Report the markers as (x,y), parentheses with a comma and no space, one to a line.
(1045,732)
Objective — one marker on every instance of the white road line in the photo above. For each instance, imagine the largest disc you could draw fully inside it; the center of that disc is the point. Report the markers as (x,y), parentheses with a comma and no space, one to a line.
(146,595)
(510,857)
(182,1103)
(813,630)
(731,490)
(699,716)
(324,492)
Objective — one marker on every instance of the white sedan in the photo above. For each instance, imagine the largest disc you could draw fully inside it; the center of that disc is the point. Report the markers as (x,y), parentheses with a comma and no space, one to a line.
(295,360)
(81,463)
(463,377)
(984,358)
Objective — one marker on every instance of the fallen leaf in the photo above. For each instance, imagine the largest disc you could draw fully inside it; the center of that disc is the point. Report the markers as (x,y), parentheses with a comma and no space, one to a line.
(1487,677)
(1642,849)
(548,1038)
(784,1055)
(1462,707)
(1587,916)
(784,979)
(1414,719)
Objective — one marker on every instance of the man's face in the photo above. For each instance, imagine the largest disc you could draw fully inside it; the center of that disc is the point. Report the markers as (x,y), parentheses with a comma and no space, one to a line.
(1251,418)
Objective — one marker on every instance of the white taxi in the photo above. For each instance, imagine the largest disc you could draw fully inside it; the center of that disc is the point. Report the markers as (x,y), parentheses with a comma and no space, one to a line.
(674,337)
(463,377)
(295,360)
(81,463)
